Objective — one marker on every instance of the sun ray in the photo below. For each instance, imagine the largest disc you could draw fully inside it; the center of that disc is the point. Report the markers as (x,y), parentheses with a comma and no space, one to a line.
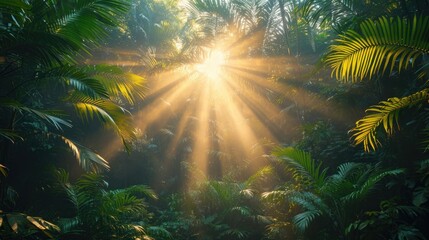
(226,111)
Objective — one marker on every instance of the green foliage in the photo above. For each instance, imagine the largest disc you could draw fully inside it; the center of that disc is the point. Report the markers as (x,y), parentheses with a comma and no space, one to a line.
(41,42)
(331,206)
(21,226)
(384,43)
(100,213)
(386,113)
(303,168)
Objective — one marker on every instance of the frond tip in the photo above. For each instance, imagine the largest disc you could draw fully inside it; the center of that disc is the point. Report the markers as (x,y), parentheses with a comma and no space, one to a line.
(385,113)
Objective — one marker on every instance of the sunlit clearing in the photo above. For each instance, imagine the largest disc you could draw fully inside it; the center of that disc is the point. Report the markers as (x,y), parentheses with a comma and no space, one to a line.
(212,66)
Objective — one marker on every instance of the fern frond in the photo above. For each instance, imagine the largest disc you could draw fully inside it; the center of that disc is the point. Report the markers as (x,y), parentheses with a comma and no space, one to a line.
(382,44)
(386,113)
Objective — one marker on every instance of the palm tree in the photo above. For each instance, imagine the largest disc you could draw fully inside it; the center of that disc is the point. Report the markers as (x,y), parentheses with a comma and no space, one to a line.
(100,213)
(226,210)
(329,204)
(383,46)
(42,80)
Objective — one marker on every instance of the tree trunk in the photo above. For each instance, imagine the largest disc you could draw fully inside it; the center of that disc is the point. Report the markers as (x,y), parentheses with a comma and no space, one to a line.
(284,23)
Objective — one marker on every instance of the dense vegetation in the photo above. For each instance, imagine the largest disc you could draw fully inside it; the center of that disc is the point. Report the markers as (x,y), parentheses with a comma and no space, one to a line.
(114,123)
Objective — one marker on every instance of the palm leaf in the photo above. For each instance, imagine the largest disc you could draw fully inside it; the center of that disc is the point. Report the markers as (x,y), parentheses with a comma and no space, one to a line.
(336,12)
(345,169)
(119,83)
(160,232)
(86,20)
(78,78)
(301,165)
(141,191)
(20,225)
(220,8)
(304,219)
(106,111)
(52,117)
(370,184)
(313,206)
(14,10)
(260,176)
(385,113)
(86,158)
(10,135)
(383,43)
(275,196)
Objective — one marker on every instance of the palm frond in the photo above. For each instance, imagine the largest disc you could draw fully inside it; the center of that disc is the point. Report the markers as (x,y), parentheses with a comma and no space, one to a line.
(119,83)
(86,20)
(301,165)
(313,206)
(106,111)
(220,8)
(369,185)
(159,232)
(275,196)
(10,135)
(384,43)
(261,175)
(304,219)
(141,191)
(121,203)
(385,113)
(87,159)
(67,225)
(345,169)
(19,225)
(53,117)
(335,13)
(14,10)
(78,78)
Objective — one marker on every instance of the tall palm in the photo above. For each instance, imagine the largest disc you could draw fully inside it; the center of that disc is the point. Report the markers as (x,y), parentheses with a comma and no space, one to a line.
(41,77)
(383,46)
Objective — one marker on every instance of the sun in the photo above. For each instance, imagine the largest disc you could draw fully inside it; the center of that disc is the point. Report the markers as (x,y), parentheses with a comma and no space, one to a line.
(212,66)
